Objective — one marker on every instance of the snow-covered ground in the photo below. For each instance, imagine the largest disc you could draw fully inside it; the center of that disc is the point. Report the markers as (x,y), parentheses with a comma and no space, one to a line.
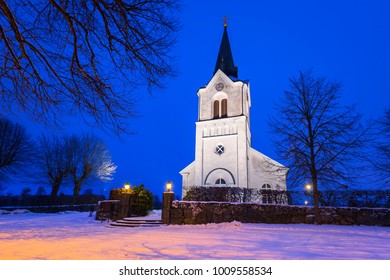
(75,236)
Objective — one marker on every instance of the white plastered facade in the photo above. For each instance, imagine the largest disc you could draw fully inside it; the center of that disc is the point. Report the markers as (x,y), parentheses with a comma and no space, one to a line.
(223,152)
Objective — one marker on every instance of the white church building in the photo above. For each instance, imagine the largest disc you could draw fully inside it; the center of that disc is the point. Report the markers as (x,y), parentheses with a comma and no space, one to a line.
(223,152)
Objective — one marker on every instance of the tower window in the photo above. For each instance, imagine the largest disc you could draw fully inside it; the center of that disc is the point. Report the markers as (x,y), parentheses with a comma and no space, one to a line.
(224,108)
(220,108)
(216,109)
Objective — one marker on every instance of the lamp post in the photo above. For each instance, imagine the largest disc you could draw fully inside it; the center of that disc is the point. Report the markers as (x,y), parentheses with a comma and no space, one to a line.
(125,209)
(348,202)
(307,192)
(311,190)
(168,196)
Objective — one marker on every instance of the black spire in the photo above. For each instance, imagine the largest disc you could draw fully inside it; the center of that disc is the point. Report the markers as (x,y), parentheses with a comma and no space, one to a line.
(225,58)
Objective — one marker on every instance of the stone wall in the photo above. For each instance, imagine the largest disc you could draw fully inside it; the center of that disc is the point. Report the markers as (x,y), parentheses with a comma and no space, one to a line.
(196,212)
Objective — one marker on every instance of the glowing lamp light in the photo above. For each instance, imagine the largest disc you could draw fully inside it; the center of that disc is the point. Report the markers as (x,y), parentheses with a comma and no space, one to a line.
(169,186)
(306,202)
(308,187)
(126,186)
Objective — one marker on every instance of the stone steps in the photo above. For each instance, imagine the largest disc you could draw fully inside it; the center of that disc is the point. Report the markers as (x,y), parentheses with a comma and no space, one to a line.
(131,222)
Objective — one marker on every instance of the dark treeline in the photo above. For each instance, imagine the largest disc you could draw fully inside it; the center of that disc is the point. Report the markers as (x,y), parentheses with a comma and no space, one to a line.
(44,200)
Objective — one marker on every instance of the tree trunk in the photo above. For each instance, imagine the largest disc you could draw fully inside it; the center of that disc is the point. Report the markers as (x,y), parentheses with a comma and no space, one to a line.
(76,191)
(54,191)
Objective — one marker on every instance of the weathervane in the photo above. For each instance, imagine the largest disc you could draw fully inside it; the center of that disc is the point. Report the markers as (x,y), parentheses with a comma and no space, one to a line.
(225,19)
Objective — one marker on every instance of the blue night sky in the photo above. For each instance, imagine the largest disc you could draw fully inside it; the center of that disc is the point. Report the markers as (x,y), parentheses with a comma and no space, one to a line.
(348,41)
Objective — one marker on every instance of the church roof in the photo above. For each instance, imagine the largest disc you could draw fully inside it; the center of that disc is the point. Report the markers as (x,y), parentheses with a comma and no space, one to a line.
(225,58)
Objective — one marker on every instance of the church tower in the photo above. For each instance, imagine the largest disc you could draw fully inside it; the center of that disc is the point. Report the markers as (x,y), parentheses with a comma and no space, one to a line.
(223,152)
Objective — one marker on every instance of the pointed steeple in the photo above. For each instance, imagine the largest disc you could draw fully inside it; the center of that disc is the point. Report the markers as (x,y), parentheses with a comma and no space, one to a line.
(225,58)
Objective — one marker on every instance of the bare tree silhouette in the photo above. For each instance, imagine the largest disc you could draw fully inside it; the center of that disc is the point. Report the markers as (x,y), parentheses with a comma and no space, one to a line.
(16,149)
(318,137)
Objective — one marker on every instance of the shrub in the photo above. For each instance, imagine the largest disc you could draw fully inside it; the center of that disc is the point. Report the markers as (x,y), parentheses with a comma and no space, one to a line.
(140,200)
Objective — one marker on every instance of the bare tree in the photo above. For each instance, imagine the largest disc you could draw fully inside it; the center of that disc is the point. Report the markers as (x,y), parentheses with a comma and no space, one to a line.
(319,138)
(83,56)
(83,158)
(16,149)
(89,159)
(381,156)
(52,163)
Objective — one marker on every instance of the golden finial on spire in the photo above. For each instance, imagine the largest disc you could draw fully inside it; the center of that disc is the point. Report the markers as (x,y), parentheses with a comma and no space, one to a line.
(225,19)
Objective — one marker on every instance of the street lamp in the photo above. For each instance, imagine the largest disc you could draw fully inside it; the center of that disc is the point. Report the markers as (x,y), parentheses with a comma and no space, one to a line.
(306,202)
(308,187)
(168,185)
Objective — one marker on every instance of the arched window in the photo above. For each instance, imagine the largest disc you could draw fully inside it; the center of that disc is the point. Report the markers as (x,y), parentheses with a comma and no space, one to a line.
(220,181)
(266,196)
(266,186)
(216,109)
(224,108)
